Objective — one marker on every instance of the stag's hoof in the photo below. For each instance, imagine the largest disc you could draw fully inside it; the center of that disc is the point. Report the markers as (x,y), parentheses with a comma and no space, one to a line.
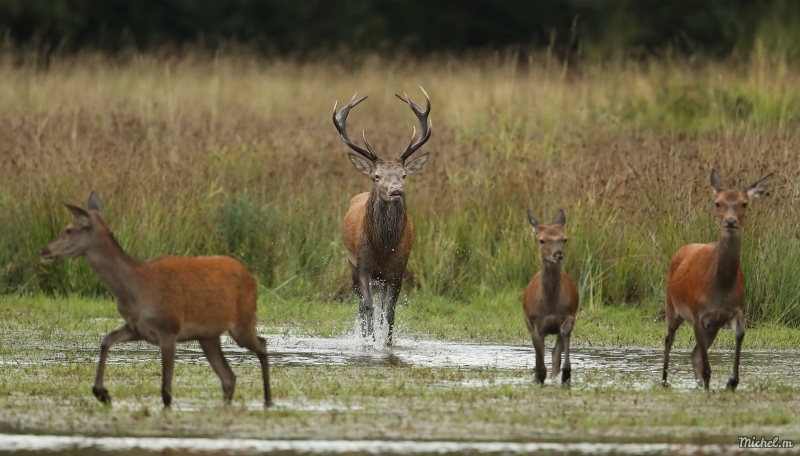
(732,383)
(565,374)
(101,394)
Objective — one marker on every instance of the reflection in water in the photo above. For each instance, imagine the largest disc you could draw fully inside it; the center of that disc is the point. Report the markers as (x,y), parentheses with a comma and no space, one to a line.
(124,446)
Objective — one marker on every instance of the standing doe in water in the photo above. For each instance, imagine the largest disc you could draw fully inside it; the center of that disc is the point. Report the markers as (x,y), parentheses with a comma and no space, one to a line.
(705,285)
(166,300)
(377,231)
(551,299)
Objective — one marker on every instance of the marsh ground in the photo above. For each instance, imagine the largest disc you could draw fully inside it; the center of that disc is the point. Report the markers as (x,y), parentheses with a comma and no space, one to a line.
(442,385)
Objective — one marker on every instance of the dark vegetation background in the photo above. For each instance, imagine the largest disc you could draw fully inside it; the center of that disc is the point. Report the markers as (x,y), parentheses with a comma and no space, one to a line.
(717,28)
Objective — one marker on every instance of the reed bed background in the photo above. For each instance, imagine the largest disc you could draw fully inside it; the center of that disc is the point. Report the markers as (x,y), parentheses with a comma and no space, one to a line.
(234,154)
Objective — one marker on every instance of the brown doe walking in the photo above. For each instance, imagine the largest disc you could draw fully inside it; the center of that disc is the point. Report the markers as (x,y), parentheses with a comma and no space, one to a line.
(705,284)
(166,300)
(377,231)
(551,299)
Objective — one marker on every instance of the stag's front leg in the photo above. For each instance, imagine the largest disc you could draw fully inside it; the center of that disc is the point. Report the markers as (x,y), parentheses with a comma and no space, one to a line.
(393,294)
(365,306)
(123,334)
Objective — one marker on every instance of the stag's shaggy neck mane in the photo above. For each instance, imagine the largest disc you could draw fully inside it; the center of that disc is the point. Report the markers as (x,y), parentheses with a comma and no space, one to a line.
(385,222)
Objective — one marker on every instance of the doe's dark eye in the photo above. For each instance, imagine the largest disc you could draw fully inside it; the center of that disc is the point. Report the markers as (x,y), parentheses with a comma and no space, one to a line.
(716,204)
(744,204)
(68,231)
(541,241)
(565,241)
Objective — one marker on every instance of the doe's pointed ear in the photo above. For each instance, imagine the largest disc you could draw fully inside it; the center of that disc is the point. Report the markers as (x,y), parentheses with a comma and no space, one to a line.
(95,203)
(361,163)
(716,181)
(416,164)
(561,218)
(533,221)
(758,189)
(81,216)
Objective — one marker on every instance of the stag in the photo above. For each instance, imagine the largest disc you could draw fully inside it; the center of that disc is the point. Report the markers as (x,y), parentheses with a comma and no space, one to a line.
(377,232)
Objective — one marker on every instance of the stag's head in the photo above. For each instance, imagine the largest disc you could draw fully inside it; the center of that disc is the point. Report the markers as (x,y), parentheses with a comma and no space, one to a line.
(387,176)
(731,203)
(551,238)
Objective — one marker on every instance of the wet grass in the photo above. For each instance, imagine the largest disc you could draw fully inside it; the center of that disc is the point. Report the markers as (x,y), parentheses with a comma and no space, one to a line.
(380,402)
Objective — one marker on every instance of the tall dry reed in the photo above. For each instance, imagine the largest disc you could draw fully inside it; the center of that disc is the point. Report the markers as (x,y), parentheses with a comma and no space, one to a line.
(236,155)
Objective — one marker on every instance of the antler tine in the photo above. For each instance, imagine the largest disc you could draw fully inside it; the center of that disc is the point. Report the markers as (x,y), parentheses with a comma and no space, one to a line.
(339,120)
(425,125)
(413,134)
(369,148)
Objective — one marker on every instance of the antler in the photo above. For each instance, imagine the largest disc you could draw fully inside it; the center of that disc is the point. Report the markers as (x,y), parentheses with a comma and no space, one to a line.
(424,125)
(339,121)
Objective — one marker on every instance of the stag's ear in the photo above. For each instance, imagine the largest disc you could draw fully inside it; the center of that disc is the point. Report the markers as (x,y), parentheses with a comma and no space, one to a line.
(561,218)
(81,217)
(533,221)
(758,189)
(416,164)
(361,164)
(716,181)
(95,203)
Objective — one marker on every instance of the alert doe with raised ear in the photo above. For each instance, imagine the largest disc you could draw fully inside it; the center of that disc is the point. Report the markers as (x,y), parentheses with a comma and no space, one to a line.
(377,231)
(705,284)
(551,299)
(166,300)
